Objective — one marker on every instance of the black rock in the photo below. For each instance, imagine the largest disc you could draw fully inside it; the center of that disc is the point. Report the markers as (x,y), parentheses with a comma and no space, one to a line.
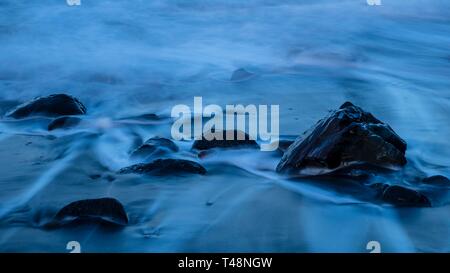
(347,137)
(52,106)
(438,180)
(63,122)
(241,74)
(401,196)
(103,210)
(165,167)
(244,141)
(155,146)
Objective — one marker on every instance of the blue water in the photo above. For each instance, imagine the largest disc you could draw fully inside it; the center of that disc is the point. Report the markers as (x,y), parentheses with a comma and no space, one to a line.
(127,58)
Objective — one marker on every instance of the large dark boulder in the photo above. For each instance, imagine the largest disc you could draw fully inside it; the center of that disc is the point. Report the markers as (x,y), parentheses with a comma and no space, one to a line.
(165,167)
(51,106)
(155,146)
(346,138)
(230,139)
(103,210)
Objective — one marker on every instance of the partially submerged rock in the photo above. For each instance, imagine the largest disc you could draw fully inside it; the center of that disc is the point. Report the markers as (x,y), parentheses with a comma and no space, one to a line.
(241,74)
(155,146)
(230,139)
(347,137)
(52,106)
(103,210)
(63,123)
(437,180)
(165,167)
(401,196)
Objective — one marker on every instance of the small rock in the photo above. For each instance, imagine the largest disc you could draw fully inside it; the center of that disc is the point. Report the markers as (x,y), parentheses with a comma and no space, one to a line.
(439,180)
(103,210)
(401,196)
(241,74)
(165,167)
(347,137)
(52,106)
(244,141)
(155,146)
(63,122)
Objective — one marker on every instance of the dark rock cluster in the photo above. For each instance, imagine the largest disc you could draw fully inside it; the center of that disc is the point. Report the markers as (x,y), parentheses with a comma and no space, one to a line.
(350,141)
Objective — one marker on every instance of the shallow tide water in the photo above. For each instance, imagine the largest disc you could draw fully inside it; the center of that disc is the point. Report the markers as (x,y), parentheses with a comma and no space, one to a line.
(123,59)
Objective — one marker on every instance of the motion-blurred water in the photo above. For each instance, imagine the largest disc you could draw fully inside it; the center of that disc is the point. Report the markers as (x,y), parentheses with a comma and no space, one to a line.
(128,58)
